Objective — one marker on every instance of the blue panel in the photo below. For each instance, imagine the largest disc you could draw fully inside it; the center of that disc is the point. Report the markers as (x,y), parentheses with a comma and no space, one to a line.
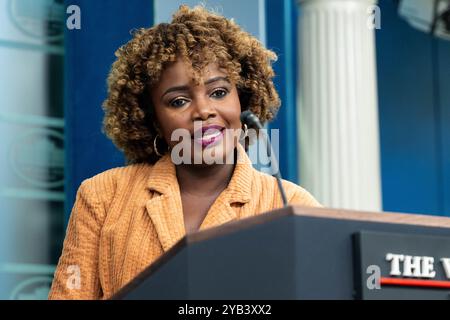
(281,18)
(409,148)
(443,70)
(245,13)
(105,25)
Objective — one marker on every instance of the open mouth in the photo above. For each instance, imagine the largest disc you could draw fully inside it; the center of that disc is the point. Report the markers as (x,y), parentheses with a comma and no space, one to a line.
(209,135)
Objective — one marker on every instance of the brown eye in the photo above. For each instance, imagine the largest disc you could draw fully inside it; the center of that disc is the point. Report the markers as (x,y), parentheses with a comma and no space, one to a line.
(219,93)
(177,103)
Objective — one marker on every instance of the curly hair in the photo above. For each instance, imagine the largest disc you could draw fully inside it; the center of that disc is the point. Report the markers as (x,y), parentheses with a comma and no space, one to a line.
(198,37)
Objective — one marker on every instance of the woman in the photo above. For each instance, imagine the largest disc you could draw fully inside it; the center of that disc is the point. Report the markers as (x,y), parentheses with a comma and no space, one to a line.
(201,69)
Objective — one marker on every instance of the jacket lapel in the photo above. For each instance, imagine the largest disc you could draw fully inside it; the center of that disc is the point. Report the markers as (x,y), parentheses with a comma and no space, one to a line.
(166,210)
(237,191)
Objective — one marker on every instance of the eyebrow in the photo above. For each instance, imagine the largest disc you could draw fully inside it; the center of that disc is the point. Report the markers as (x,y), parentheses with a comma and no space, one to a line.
(185,87)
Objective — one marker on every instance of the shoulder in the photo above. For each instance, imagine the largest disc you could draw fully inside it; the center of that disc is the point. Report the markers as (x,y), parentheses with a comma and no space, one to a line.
(299,196)
(104,185)
(295,194)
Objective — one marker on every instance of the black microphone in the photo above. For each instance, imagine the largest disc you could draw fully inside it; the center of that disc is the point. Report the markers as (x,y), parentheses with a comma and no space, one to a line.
(252,121)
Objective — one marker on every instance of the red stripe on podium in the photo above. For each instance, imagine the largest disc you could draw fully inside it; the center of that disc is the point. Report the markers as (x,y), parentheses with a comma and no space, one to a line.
(414,283)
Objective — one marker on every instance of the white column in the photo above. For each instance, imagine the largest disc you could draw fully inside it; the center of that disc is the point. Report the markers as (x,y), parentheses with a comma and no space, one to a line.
(338,109)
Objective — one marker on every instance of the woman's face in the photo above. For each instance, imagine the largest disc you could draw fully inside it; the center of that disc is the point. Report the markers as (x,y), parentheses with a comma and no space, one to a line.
(203,111)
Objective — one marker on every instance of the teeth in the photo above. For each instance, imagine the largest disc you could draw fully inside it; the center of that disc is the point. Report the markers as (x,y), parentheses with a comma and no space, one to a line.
(213,135)
(210,136)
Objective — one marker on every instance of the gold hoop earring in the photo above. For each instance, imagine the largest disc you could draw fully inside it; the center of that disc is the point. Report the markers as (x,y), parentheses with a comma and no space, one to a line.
(155,147)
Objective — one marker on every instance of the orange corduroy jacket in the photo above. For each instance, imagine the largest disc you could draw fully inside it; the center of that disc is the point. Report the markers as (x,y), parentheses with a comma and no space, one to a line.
(125,218)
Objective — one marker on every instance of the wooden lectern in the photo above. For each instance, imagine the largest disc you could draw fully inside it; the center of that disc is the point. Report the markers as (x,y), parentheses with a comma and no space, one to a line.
(305,253)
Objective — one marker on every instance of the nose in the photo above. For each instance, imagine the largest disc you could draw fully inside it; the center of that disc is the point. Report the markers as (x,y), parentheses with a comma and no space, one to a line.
(203,109)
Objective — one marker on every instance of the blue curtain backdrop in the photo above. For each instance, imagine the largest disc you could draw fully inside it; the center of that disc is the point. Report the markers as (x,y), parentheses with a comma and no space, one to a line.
(414,108)
(281,30)
(89,53)
(442,67)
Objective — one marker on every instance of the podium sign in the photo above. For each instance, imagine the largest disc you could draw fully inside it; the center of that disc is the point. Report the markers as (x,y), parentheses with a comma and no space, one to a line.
(402,266)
